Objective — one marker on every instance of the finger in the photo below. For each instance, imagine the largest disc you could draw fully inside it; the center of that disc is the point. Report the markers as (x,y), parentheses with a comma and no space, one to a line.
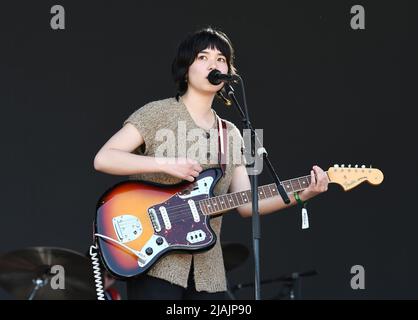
(317,174)
(194,173)
(313,180)
(198,167)
(190,178)
(321,176)
(317,169)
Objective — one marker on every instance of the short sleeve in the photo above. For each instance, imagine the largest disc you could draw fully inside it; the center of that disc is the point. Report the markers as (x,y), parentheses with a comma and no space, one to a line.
(144,121)
(237,148)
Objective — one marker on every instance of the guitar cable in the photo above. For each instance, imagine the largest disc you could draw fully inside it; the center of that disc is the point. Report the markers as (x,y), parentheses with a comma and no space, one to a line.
(98,279)
(136,253)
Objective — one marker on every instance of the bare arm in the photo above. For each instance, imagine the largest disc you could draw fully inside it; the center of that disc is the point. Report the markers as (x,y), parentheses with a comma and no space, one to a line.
(116,157)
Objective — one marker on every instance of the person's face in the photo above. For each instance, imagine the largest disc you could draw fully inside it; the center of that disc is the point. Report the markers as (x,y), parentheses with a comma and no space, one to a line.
(206,61)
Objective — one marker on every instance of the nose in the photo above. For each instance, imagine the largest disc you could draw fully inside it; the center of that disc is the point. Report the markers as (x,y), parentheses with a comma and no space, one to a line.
(212,65)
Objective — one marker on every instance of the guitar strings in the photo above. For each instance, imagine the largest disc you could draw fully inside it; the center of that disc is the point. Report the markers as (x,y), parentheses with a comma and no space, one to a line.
(176,216)
(182,211)
(178,213)
(173,208)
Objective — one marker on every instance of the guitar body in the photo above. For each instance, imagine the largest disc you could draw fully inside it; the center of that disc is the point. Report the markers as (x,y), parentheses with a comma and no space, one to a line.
(138,222)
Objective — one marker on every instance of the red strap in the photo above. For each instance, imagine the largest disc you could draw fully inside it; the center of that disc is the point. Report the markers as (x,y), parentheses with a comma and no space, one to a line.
(222,144)
(113,294)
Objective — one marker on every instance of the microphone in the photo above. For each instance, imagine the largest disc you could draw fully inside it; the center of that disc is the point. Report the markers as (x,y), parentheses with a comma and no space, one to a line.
(215,77)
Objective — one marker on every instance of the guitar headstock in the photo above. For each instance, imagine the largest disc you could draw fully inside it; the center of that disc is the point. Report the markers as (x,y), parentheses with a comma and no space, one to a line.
(350,177)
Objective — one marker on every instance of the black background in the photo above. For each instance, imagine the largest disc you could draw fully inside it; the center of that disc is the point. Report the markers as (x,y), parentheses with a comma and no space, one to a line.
(323,93)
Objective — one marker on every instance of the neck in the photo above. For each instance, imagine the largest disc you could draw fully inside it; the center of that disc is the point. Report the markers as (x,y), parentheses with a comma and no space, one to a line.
(198,104)
(216,205)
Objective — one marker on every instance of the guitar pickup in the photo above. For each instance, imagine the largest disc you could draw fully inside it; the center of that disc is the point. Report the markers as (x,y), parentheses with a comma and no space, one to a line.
(154,219)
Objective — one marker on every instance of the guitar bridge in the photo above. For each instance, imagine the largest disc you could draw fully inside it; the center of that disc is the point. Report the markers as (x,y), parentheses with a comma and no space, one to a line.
(127,227)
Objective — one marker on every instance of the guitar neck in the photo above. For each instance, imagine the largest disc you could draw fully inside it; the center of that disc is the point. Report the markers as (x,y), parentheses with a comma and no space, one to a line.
(218,204)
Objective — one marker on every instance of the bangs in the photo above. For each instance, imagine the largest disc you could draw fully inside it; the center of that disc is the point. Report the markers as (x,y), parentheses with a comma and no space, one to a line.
(211,41)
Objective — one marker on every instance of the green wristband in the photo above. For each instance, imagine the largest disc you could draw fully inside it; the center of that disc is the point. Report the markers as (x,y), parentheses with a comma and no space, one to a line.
(298,199)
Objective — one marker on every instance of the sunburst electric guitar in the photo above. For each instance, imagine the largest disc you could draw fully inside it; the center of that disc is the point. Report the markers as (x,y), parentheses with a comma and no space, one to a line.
(137,222)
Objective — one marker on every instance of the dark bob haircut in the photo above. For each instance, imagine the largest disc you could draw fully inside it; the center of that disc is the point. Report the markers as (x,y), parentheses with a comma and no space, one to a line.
(189,49)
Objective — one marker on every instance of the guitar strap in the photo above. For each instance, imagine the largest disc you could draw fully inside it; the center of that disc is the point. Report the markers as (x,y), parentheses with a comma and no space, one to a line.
(222,144)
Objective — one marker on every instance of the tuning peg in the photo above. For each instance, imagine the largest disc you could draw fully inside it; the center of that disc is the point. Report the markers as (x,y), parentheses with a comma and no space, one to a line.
(343,165)
(370,166)
(336,166)
(363,166)
(356,166)
(349,165)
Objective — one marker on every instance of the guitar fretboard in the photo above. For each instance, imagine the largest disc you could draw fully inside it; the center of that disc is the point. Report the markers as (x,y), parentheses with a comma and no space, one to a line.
(234,200)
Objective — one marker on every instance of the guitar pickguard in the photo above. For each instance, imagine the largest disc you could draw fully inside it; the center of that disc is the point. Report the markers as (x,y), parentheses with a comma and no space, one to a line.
(200,187)
(179,219)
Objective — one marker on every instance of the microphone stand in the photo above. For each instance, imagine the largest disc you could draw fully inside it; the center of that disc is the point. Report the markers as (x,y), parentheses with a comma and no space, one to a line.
(261,151)
(289,281)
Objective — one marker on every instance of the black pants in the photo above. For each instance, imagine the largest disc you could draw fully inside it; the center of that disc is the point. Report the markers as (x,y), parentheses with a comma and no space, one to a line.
(146,287)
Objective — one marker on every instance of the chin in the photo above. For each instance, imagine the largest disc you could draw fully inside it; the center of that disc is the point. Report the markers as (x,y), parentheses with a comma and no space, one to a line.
(213,88)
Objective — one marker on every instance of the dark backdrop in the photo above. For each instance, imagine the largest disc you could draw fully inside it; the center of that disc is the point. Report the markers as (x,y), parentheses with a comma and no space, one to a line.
(322,92)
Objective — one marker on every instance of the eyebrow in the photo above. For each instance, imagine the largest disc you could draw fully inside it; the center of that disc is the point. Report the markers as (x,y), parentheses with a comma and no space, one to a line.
(219,54)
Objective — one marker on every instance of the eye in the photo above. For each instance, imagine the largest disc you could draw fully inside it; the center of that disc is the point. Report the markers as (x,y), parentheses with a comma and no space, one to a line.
(222,59)
(202,57)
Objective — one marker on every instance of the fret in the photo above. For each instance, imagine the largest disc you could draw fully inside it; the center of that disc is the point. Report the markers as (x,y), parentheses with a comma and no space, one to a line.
(287,186)
(237,203)
(273,189)
(203,207)
(233,203)
(261,193)
(295,184)
(218,204)
(304,182)
(227,203)
(230,201)
(208,206)
(214,204)
(223,203)
(244,197)
(268,191)
(248,195)
(240,199)
(300,185)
